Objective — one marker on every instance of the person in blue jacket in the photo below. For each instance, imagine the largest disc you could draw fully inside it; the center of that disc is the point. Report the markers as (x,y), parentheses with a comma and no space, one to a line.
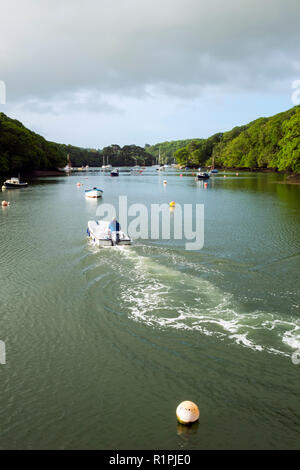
(114,226)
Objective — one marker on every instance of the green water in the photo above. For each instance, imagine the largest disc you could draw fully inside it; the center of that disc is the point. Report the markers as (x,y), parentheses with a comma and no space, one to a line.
(103,344)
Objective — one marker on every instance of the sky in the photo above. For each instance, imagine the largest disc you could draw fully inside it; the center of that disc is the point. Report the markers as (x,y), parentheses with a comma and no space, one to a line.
(98,72)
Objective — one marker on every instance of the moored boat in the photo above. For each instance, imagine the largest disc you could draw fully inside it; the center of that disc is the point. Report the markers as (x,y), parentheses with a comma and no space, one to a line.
(135,169)
(106,167)
(115,172)
(93,193)
(203,175)
(14,183)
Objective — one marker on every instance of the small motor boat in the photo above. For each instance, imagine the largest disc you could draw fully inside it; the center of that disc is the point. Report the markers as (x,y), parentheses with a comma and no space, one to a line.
(203,175)
(214,171)
(95,192)
(115,172)
(14,183)
(99,233)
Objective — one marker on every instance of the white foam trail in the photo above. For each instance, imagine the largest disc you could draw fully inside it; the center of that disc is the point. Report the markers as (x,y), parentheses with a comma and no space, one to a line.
(150,291)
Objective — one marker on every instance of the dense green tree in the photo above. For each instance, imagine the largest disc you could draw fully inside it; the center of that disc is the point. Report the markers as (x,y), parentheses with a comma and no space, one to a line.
(24,150)
(289,155)
(264,143)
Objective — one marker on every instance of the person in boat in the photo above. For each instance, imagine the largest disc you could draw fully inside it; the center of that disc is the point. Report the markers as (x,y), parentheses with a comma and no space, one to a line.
(114,226)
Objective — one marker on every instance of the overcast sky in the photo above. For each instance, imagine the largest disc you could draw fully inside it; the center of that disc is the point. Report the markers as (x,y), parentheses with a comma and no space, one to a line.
(96,72)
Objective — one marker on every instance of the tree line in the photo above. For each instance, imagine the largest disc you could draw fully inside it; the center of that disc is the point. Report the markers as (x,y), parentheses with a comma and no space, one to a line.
(272,143)
(264,143)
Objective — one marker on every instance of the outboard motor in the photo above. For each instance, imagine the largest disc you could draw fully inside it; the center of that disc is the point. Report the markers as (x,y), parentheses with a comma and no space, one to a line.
(115,238)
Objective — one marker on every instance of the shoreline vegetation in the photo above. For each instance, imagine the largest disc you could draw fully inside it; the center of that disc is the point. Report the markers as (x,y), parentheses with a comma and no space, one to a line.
(266,144)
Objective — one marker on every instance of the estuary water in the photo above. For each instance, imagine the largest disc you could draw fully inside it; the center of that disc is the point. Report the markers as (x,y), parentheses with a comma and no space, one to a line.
(102,344)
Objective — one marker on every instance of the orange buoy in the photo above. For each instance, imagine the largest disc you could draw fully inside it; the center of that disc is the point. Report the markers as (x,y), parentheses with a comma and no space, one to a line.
(5,203)
(187,412)
(181,175)
(172,204)
(165,181)
(205,185)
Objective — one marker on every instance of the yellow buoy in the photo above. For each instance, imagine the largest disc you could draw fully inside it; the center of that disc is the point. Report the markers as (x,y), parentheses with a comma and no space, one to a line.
(187,412)
(172,204)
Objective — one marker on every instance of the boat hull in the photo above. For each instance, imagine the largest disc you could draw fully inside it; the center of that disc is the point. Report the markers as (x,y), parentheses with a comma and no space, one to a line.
(14,186)
(93,193)
(204,176)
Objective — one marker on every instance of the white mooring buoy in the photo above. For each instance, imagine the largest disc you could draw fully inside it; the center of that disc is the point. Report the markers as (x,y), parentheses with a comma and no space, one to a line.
(187,412)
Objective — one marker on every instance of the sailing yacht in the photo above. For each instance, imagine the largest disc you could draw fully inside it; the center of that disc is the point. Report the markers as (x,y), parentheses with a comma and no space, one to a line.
(106,167)
(160,167)
(68,168)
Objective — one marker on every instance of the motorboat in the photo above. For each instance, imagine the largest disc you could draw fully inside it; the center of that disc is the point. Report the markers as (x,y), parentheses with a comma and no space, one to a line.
(160,168)
(14,183)
(115,172)
(203,175)
(93,193)
(98,231)
(214,171)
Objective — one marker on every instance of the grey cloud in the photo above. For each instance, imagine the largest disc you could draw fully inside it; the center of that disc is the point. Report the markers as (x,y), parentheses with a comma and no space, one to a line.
(176,47)
(81,101)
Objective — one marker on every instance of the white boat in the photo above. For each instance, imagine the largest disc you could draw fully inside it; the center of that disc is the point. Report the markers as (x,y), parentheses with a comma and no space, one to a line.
(136,169)
(68,168)
(106,167)
(93,193)
(14,183)
(100,234)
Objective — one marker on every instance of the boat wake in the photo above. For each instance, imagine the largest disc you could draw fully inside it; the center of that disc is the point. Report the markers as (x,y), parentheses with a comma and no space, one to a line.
(163,296)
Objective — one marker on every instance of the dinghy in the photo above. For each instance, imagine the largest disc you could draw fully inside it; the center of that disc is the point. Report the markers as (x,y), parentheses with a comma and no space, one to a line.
(95,192)
(100,234)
